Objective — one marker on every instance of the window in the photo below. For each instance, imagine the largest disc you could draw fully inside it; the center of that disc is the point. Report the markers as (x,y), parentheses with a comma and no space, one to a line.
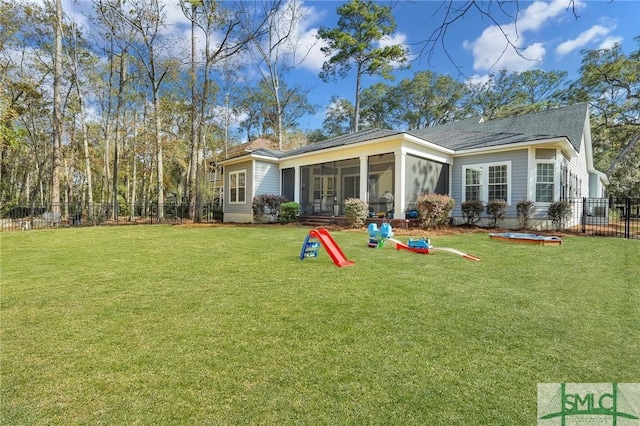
(237,186)
(498,182)
(473,184)
(486,182)
(544,182)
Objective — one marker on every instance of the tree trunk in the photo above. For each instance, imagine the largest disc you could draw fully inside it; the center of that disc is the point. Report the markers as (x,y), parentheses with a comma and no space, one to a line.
(159,156)
(57,114)
(356,113)
(192,187)
(87,168)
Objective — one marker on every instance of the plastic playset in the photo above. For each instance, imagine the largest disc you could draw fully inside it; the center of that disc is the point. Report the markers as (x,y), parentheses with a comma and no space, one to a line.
(321,237)
(377,238)
(317,238)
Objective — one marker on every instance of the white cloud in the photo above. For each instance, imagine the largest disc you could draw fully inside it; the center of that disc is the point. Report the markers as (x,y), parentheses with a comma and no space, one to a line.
(609,42)
(505,46)
(592,34)
(478,79)
(539,12)
(492,50)
(311,44)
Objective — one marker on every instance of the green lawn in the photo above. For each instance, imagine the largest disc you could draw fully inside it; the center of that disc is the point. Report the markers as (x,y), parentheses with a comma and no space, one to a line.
(225,325)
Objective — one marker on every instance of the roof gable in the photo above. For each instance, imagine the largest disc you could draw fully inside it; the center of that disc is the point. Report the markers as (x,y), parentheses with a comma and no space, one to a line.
(473,133)
(254,145)
(566,122)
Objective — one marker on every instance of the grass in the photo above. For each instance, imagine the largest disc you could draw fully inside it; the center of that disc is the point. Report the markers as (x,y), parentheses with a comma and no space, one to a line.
(225,325)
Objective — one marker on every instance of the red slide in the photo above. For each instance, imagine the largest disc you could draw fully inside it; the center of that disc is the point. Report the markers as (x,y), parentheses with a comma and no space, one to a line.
(330,245)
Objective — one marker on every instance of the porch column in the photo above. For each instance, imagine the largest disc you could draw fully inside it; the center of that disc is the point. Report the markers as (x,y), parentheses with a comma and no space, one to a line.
(364,178)
(399,186)
(296,186)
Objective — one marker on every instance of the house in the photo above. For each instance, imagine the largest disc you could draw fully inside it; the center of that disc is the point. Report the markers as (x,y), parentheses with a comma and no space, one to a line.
(541,157)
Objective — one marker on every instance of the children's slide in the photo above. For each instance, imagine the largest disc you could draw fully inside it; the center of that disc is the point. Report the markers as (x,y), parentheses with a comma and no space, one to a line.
(331,247)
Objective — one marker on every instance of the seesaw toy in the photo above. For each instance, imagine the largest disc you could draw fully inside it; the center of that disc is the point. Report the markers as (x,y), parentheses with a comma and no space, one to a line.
(415,245)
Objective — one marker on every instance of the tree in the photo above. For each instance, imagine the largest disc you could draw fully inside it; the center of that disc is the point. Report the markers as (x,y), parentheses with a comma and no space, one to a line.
(377,104)
(339,117)
(224,38)
(57,112)
(269,117)
(509,94)
(428,99)
(610,82)
(277,50)
(355,43)
(147,18)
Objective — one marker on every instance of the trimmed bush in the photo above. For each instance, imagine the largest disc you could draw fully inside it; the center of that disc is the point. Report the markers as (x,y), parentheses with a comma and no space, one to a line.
(267,205)
(497,209)
(356,211)
(559,212)
(289,212)
(524,210)
(434,210)
(472,210)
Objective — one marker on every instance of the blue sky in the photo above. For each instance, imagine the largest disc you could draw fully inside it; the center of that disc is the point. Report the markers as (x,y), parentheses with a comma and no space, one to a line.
(549,33)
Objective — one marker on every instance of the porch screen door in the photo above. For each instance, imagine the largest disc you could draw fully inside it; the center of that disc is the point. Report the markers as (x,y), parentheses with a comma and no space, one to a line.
(323,190)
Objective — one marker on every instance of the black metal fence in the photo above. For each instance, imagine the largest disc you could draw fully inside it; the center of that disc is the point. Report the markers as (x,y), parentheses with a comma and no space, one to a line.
(35,217)
(610,217)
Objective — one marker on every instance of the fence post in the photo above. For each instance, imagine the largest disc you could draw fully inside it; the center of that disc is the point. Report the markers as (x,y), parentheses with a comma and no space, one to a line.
(627,219)
(584,215)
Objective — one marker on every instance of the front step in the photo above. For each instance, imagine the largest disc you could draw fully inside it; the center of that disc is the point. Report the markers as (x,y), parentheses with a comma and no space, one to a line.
(322,221)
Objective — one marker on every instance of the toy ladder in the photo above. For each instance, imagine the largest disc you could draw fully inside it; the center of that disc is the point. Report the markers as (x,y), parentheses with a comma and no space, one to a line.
(309,247)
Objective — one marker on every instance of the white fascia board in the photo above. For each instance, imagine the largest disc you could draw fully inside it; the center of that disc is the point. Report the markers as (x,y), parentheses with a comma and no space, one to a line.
(234,160)
(430,155)
(367,148)
(265,158)
(343,147)
(563,143)
(247,157)
(427,144)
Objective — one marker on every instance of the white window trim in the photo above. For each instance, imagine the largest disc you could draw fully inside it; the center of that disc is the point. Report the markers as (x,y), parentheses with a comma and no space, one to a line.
(557,181)
(237,173)
(484,167)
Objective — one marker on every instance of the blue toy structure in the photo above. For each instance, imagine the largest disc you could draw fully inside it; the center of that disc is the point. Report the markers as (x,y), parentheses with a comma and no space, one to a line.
(377,236)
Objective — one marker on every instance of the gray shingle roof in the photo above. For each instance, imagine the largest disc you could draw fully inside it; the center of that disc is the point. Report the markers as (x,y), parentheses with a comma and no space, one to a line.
(471,133)
(468,139)
(558,122)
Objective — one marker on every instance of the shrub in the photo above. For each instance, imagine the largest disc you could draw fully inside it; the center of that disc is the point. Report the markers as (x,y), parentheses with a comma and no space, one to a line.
(434,209)
(289,212)
(471,211)
(524,211)
(356,211)
(614,215)
(216,213)
(497,209)
(265,205)
(559,212)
